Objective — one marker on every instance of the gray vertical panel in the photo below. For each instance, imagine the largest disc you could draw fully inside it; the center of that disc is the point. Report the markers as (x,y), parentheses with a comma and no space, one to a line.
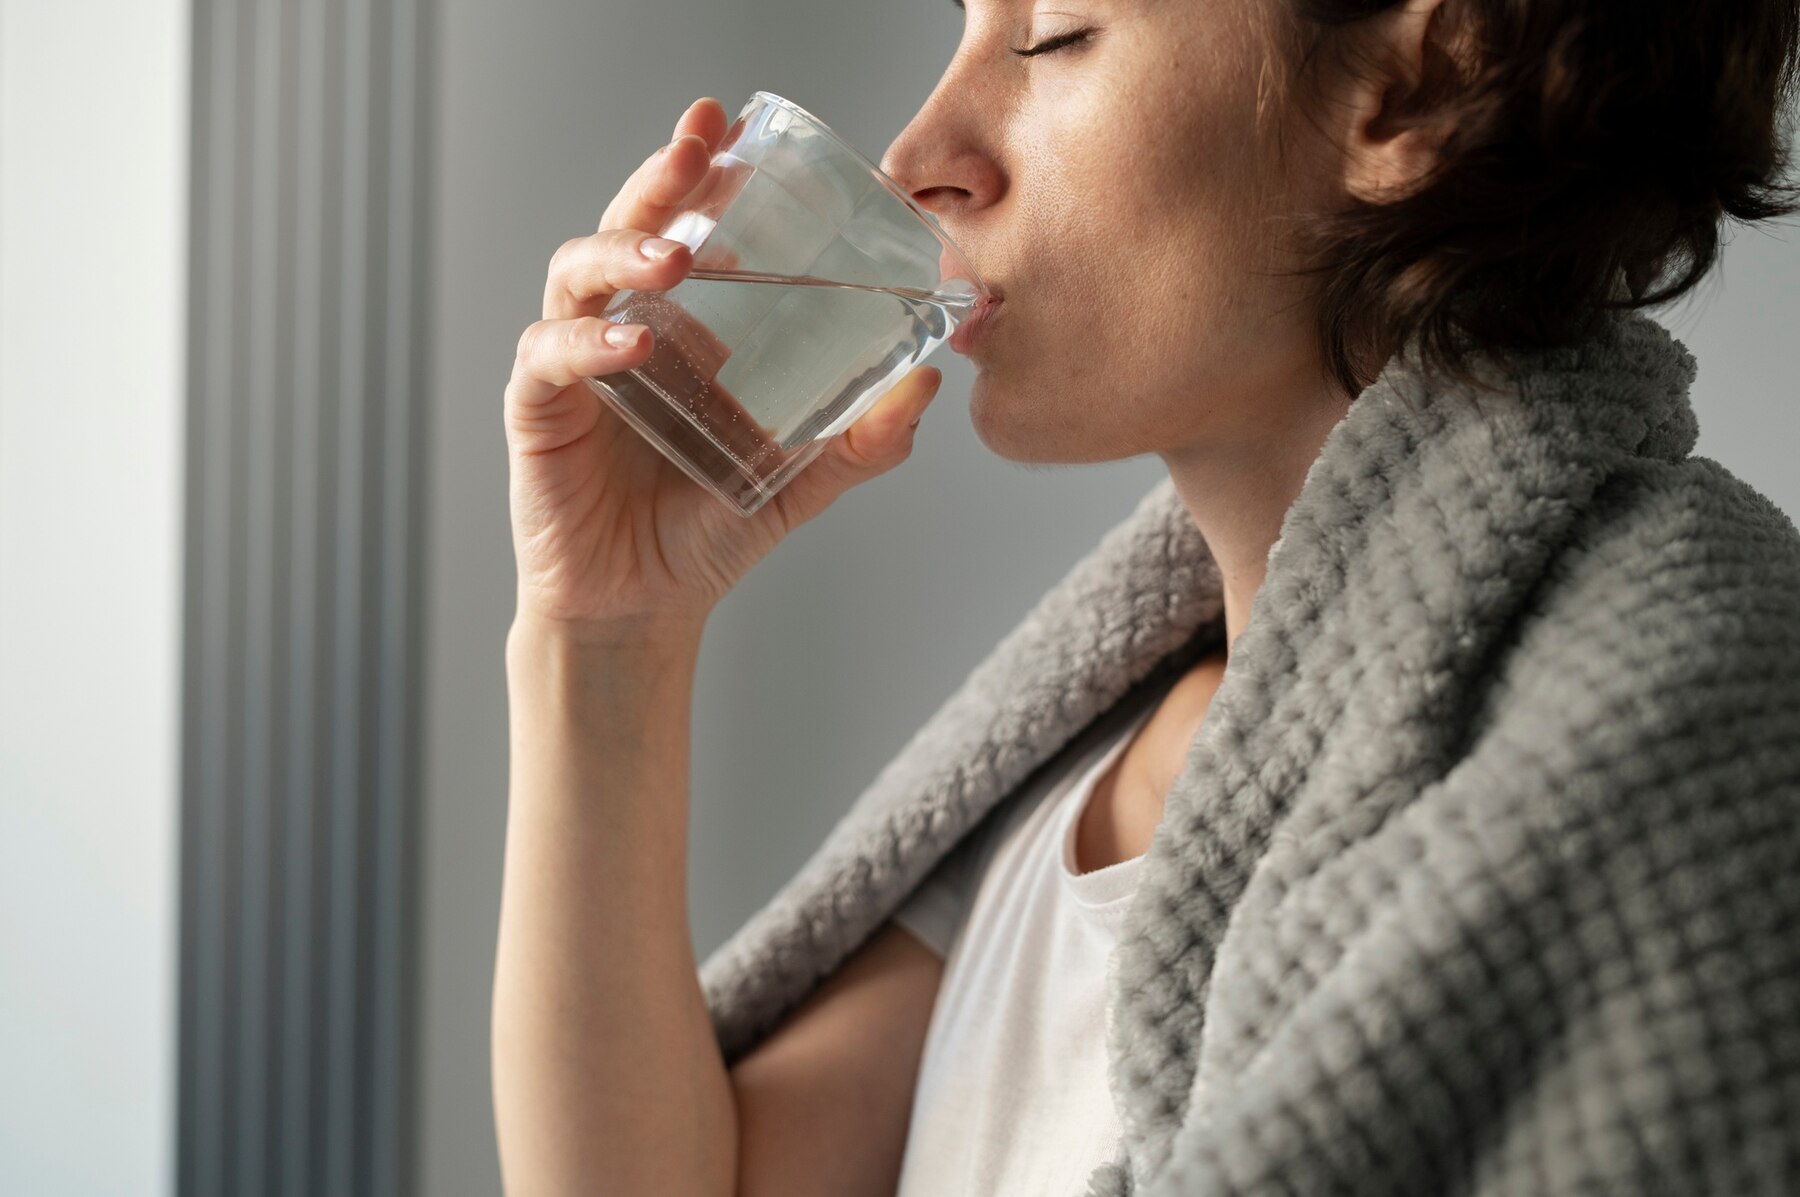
(233,411)
(197,1066)
(340,1085)
(396,729)
(294,1147)
(376,548)
(335,280)
(214,562)
(300,718)
(258,399)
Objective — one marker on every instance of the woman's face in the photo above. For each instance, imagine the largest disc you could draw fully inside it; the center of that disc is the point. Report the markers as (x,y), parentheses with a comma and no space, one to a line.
(1117,193)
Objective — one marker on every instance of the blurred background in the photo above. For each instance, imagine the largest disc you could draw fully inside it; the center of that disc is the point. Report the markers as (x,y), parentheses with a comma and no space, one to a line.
(263,268)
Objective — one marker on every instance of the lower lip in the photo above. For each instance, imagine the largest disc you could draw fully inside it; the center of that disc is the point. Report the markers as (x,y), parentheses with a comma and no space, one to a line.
(970,332)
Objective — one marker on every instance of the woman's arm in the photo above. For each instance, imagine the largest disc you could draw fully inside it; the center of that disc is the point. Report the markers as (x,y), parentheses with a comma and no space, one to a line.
(607,1078)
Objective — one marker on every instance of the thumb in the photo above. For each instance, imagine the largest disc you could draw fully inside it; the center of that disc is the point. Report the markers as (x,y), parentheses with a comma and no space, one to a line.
(880,439)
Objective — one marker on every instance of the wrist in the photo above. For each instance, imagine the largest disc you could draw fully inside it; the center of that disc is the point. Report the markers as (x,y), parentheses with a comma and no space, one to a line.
(613,681)
(647,635)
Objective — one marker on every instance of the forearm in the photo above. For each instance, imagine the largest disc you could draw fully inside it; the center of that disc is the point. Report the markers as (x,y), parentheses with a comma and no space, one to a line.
(606,1075)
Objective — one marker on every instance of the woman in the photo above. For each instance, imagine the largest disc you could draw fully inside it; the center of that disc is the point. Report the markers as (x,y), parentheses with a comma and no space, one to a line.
(1433,730)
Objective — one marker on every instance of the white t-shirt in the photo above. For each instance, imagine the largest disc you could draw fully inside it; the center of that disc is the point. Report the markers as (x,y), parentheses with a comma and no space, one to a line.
(1012,1098)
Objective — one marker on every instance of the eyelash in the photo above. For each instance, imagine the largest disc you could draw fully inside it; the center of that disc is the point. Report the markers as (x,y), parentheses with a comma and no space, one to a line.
(1055,43)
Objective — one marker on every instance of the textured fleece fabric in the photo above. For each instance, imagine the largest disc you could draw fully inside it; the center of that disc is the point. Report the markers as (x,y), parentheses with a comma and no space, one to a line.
(1482,875)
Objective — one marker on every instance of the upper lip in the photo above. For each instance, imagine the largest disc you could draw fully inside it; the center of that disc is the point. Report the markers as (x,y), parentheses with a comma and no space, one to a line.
(991,300)
(947,269)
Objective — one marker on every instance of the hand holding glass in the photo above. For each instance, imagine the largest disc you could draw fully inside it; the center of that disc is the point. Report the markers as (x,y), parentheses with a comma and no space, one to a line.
(817,283)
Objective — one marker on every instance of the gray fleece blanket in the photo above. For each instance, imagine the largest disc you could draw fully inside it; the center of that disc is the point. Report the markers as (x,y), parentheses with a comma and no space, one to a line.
(1482,875)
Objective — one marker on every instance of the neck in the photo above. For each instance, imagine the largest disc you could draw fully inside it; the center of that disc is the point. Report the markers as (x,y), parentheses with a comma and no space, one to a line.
(1237,493)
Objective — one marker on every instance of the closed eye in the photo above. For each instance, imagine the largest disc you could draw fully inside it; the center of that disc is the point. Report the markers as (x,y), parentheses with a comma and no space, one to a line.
(1055,43)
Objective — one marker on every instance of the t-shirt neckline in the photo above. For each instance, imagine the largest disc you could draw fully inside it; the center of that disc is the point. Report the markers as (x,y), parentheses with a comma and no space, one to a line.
(1113,883)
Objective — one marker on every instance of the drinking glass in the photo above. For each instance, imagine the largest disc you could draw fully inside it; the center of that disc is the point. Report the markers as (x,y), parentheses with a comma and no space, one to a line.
(817,283)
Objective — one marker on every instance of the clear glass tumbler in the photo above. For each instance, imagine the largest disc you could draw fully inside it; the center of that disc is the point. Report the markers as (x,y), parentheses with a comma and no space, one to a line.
(817,284)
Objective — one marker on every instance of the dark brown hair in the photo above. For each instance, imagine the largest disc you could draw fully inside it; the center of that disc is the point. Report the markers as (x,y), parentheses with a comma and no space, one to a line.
(1593,149)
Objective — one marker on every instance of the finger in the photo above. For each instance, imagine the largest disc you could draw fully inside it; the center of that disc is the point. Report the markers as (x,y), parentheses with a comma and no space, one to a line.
(879,440)
(882,436)
(555,354)
(586,272)
(645,204)
(665,178)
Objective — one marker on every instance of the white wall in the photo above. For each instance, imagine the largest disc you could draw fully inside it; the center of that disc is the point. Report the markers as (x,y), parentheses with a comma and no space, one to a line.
(93,177)
(1739,323)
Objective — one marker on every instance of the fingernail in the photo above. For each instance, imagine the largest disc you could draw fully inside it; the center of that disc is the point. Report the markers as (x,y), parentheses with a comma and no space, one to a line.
(624,336)
(657,248)
(915,421)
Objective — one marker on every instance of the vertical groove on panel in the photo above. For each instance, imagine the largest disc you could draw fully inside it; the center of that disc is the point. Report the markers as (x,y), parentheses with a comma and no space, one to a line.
(397,729)
(258,400)
(196,501)
(333,284)
(300,647)
(235,409)
(378,157)
(341,1111)
(293,1147)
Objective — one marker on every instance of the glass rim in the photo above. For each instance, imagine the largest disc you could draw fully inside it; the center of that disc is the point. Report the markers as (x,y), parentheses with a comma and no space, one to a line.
(899,192)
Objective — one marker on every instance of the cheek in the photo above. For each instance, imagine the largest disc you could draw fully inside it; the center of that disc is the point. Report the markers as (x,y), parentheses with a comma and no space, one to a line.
(1199,277)
(1172,224)
(1129,280)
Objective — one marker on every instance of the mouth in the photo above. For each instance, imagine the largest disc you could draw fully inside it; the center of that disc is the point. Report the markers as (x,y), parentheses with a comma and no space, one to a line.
(970,332)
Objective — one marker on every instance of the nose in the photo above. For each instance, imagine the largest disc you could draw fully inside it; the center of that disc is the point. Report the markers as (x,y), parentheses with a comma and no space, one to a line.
(946,180)
(942,159)
(896,159)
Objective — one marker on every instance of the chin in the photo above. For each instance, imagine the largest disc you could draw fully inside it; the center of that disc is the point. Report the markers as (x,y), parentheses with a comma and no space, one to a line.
(1011,426)
(998,425)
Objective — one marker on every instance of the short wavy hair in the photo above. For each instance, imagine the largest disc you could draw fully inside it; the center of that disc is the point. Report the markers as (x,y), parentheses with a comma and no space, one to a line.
(1594,148)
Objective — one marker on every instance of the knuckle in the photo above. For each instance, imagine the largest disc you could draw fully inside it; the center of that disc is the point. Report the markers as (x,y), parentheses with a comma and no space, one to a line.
(559,260)
(566,267)
(622,243)
(622,259)
(531,342)
(579,333)
(515,383)
(603,262)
